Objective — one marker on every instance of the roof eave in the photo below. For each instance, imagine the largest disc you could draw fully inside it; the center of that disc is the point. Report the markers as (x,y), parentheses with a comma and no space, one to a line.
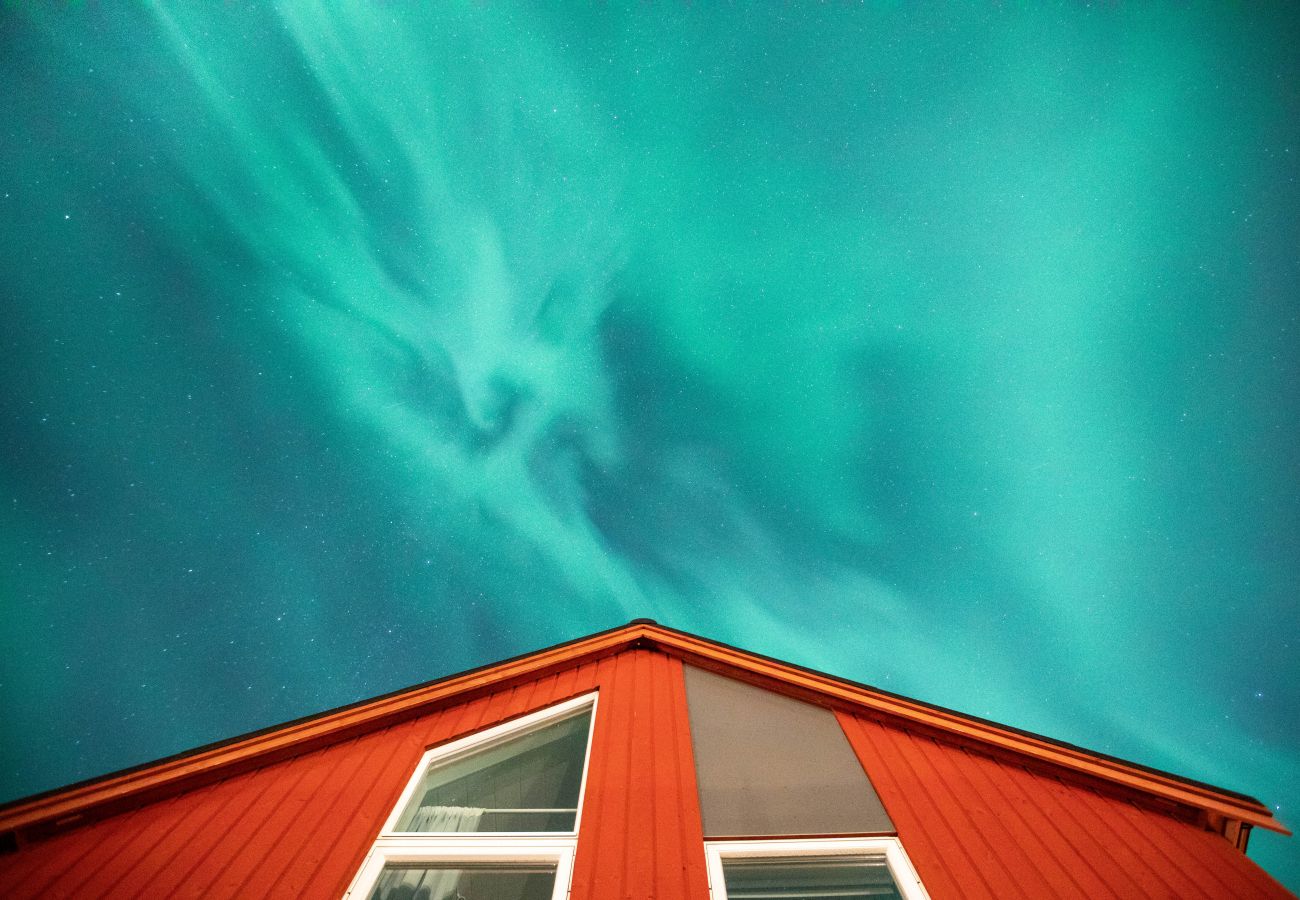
(1054,753)
(200,766)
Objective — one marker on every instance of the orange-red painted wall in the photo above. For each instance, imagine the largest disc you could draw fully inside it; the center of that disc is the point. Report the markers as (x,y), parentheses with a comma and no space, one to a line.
(640,835)
(981,828)
(975,826)
(300,828)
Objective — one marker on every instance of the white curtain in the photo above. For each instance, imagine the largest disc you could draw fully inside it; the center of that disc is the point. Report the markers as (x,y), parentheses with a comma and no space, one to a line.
(418,884)
(433,883)
(445,818)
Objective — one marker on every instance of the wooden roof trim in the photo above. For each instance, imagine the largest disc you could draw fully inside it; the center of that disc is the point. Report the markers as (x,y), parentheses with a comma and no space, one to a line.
(202,765)
(114,790)
(1162,785)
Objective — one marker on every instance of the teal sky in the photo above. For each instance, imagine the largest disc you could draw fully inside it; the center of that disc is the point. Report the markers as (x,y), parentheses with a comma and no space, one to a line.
(947,348)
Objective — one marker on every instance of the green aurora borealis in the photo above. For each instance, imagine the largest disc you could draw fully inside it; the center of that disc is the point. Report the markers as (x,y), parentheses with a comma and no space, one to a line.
(945,348)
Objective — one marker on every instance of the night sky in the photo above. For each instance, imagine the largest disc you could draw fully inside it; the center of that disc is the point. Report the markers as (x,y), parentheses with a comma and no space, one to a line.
(951,349)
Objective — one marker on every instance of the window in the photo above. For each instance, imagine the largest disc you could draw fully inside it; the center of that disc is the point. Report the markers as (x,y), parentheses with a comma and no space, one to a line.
(816,869)
(492,815)
(753,780)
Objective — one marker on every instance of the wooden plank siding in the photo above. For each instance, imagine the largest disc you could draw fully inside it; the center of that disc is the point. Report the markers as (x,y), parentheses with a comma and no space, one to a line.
(983,812)
(979,826)
(31,818)
(641,836)
(301,827)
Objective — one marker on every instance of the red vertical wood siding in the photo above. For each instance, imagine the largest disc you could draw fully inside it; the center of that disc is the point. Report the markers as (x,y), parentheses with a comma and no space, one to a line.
(301,827)
(975,825)
(640,836)
(978,828)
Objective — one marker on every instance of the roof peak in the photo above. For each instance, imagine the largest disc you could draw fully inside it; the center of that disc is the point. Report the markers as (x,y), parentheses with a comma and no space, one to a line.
(264,746)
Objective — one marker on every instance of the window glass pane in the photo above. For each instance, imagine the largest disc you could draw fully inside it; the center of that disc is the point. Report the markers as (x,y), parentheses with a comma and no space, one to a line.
(525,783)
(458,881)
(809,878)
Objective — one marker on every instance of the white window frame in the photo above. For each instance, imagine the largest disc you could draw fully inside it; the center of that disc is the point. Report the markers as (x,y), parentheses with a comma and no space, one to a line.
(891,848)
(555,847)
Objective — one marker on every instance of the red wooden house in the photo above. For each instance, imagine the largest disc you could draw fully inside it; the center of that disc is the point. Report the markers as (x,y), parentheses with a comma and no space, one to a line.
(640,762)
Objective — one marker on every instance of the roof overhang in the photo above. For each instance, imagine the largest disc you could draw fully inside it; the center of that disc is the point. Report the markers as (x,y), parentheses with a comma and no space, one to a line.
(1223,810)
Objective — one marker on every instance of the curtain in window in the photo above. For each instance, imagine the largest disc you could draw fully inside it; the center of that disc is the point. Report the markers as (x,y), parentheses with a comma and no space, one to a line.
(527,783)
(417,884)
(446,818)
(463,882)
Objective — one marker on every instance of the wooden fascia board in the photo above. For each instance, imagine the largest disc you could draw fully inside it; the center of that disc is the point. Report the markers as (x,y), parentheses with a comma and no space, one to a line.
(190,769)
(698,650)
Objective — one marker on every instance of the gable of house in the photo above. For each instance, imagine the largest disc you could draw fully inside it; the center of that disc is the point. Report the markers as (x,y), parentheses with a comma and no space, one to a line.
(297,811)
